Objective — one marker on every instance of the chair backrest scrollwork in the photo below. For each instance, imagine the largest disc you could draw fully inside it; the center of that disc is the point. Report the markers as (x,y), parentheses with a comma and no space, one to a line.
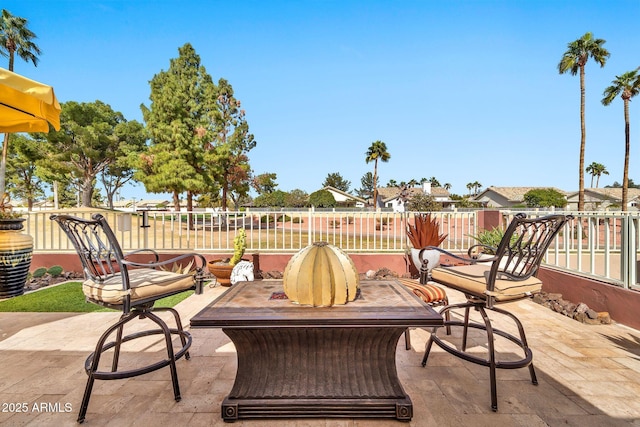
(96,245)
(523,247)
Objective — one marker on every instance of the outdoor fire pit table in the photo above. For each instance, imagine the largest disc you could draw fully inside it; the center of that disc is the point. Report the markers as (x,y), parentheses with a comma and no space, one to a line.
(316,362)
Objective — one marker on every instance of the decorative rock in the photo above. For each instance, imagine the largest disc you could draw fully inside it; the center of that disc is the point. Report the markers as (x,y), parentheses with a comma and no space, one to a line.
(604,318)
(370,274)
(591,314)
(580,312)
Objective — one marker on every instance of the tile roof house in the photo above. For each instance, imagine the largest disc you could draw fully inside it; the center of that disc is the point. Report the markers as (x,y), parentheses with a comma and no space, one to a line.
(603,198)
(390,196)
(344,198)
(505,197)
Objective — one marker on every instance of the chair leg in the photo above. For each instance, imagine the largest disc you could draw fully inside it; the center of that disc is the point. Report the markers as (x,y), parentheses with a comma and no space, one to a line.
(523,340)
(170,354)
(116,349)
(179,327)
(407,339)
(447,317)
(466,327)
(93,361)
(492,358)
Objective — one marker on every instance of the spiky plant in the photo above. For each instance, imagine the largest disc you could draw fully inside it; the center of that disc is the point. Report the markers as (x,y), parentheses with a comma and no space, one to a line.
(425,231)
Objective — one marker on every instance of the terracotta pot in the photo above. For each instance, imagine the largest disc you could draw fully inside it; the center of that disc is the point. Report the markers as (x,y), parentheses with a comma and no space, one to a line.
(16,250)
(221,271)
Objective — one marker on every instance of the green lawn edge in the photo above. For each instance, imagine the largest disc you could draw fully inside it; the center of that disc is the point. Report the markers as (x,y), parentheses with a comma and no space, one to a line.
(67,298)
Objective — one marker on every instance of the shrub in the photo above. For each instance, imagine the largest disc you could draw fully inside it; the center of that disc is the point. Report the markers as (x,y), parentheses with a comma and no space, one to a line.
(39,272)
(55,271)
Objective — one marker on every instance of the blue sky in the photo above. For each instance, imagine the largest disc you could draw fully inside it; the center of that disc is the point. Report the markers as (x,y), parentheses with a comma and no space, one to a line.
(461,90)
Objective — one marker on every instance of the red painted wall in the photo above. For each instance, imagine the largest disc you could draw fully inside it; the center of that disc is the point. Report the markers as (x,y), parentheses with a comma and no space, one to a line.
(621,304)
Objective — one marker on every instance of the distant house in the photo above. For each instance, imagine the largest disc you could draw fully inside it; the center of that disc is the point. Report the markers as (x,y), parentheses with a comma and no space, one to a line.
(390,196)
(506,197)
(604,198)
(345,199)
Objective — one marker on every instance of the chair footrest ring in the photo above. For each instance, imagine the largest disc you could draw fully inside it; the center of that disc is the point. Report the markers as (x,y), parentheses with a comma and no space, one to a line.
(511,364)
(108,375)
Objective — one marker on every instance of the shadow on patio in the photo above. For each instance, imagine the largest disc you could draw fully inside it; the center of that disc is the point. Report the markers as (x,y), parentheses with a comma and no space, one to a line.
(588,376)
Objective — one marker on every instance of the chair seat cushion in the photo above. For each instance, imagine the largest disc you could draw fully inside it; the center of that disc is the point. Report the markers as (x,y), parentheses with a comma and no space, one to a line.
(472,279)
(145,283)
(428,293)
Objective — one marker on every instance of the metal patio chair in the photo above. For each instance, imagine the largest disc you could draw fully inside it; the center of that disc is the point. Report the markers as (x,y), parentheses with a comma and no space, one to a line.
(122,282)
(506,276)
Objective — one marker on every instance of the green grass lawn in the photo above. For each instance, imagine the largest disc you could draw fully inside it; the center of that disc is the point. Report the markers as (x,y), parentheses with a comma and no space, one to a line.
(67,298)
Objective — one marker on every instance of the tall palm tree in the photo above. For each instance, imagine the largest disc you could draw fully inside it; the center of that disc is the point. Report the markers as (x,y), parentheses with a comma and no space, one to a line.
(627,86)
(574,60)
(602,170)
(596,170)
(447,186)
(15,37)
(377,151)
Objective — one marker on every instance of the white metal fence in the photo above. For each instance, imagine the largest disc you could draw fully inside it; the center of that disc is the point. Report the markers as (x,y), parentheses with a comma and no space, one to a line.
(598,244)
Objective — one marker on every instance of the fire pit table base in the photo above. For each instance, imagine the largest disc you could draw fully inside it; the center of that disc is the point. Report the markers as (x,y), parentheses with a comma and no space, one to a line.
(316,372)
(316,362)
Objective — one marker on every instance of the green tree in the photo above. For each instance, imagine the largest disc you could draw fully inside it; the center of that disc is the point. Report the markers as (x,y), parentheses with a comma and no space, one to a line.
(232,141)
(15,38)
(273,199)
(392,183)
(132,139)
(322,199)
(336,180)
(474,187)
(377,151)
(366,189)
(626,86)
(574,60)
(616,184)
(264,183)
(544,198)
(434,182)
(88,142)
(24,183)
(423,203)
(178,121)
(296,199)
(596,170)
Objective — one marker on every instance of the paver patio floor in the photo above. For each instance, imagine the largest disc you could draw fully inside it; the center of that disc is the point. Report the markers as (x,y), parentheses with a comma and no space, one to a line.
(588,376)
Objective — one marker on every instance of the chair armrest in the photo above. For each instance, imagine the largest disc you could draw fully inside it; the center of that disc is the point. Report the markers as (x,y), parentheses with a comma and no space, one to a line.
(139,251)
(474,253)
(469,260)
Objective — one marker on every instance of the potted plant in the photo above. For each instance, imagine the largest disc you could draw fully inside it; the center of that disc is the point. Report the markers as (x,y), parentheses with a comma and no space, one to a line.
(425,231)
(222,268)
(16,250)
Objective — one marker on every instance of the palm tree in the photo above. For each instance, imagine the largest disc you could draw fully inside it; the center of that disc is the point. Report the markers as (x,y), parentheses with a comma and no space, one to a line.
(15,37)
(601,171)
(478,187)
(447,186)
(627,86)
(596,170)
(469,187)
(574,60)
(377,151)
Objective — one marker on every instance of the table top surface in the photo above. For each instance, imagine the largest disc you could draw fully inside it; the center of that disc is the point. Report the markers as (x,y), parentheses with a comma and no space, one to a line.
(263,304)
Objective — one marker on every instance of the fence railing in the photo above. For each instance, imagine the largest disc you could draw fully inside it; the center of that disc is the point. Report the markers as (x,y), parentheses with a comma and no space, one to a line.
(598,244)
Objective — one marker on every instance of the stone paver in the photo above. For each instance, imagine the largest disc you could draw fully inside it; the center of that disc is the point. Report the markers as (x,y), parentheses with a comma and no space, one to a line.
(588,376)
